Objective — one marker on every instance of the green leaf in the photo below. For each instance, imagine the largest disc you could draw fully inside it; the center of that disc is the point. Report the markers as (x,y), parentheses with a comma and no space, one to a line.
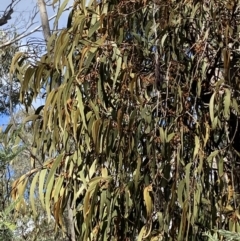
(162,134)
(60,11)
(163,39)
(227,102)
(197,147)
(180,189)
(57,187)
(54,167)
(119,65)
(81,108)
(211,107)
(212,155)
(170,137)
(93,28)
(92,169)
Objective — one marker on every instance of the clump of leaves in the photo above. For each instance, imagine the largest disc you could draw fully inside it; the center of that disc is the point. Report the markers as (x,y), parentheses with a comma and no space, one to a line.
(227,235)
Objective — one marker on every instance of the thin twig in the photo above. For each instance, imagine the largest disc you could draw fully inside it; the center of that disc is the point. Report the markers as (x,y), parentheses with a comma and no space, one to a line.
(155,9)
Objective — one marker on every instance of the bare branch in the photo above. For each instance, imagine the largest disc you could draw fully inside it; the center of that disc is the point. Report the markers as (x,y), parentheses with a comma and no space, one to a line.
(8,12)
(7,16)
(25,34)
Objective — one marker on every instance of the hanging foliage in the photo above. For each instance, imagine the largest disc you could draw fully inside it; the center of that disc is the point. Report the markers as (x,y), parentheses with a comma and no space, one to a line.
(140,126)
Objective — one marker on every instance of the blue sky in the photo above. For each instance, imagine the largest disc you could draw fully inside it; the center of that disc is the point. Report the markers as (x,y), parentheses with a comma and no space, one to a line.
(22,12)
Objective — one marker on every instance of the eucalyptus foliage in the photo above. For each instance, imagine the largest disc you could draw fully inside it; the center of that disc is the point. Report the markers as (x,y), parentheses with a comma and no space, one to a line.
(140,129)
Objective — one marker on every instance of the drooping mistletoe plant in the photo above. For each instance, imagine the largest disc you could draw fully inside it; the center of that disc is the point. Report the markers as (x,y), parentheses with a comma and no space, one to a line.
(138,135)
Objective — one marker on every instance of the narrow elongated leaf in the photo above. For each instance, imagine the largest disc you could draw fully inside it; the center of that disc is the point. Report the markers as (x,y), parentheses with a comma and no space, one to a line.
(32,194)
(54,167)
(119,65)
(211,107)
(81,107)
(227,103)
(148,200)
(41,189)
(197,147)
(60,11)
(48,197)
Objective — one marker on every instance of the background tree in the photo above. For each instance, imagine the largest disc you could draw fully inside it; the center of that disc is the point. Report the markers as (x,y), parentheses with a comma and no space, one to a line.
(7,153)
(139,132)
(9,90)
(10,35)
(14,160)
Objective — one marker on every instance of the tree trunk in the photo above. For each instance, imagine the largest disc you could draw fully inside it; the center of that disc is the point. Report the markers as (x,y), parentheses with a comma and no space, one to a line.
(44,19)
(70,223)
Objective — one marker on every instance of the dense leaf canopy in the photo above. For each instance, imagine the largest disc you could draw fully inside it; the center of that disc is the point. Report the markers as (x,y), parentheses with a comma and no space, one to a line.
(140,126)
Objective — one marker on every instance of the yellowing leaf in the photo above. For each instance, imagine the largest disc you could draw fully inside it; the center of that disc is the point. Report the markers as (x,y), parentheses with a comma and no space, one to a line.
(95,131)
(207,130)
(148,200)
(197,147)
(31,196)
(41,189)
(170,137)
(57,187)
(104,172)
(15,59)
(48,197)
(92,169)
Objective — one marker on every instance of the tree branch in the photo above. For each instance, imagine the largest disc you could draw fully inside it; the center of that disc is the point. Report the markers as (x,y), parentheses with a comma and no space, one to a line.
(44,19)
(25,34)
(8,12)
